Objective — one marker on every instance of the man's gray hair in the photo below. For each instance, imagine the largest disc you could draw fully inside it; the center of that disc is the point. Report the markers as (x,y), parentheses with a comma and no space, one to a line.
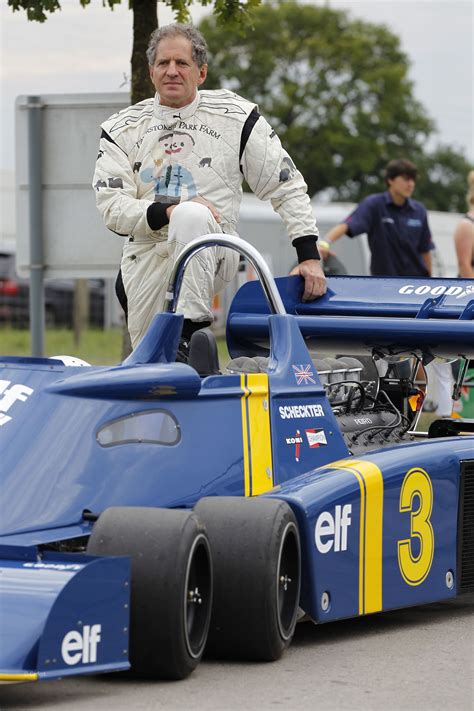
(198,43)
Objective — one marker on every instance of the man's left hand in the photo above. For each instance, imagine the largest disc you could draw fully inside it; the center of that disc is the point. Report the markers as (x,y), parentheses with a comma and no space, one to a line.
(314,280)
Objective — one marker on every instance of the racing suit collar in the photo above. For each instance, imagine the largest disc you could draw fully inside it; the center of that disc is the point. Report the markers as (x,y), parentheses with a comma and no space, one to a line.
(168,113)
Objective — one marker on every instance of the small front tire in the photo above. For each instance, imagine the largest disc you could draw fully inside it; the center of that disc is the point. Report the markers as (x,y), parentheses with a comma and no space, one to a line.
(171,585)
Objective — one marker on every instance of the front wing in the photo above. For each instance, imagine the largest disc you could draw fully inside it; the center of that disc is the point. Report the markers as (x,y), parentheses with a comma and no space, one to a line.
(61,614)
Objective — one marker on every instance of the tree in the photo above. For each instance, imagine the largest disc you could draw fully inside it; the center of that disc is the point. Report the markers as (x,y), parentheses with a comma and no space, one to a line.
(231,13)
(335,89)
(442,182)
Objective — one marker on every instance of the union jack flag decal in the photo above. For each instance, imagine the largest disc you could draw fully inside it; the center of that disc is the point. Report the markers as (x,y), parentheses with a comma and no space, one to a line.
(303,374)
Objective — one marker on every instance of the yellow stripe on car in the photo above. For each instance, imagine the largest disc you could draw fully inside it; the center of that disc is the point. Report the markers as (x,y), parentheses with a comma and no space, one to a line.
(256,435)
(370,481)
(16,678)
(245,434)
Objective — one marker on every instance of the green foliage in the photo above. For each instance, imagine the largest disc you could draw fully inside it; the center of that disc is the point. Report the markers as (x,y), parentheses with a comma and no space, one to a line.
(38,10)
(442,181)
(35,10)
(228,12)
(335,89)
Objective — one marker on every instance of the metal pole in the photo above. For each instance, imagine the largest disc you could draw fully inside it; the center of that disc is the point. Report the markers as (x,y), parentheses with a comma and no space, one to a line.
(37,318)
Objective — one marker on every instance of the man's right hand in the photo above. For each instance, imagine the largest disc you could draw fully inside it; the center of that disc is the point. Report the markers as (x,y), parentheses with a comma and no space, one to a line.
(209,205)
(169,211)
(202,201)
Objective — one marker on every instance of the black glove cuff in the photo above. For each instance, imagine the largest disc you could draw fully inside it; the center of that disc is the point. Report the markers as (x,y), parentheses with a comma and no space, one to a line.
(156,215)
(306,248)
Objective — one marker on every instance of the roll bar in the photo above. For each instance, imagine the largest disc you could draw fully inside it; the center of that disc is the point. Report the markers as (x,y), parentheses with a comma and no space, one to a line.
(232,242)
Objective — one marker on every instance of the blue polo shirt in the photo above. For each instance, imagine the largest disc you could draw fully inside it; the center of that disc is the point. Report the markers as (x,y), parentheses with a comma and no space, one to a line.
(398,235)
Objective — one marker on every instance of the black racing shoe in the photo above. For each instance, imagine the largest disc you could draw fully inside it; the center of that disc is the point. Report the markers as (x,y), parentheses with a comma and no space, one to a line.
(189,329)
(182,354)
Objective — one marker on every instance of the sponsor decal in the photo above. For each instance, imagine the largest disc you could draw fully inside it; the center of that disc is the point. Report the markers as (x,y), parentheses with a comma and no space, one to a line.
(291,412)
(54,566)
(331,530)
(457,291)
(297,440)
(316,438)
(81,646)
(363,421)
(11,394)
(468,291)
(303,374)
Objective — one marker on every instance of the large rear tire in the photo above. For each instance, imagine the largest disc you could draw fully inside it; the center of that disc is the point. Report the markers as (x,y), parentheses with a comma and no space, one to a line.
(256,557)
(171,585)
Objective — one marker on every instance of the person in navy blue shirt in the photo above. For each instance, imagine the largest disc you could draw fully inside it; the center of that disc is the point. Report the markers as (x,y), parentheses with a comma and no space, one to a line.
(396,225)
(400,244)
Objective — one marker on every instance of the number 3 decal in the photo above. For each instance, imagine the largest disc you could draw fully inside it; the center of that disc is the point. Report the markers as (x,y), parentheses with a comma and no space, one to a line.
(415,566)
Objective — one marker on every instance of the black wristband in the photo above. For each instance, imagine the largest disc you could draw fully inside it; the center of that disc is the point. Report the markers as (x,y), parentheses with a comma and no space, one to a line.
(156,215)
(306,248)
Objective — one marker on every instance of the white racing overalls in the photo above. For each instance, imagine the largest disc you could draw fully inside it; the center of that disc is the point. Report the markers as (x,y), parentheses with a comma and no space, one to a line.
(152,156)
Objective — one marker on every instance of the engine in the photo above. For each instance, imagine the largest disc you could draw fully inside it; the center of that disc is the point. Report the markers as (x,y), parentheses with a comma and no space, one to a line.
(372,411)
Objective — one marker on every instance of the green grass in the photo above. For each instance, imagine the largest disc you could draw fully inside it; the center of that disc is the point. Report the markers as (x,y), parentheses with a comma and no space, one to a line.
(96,346)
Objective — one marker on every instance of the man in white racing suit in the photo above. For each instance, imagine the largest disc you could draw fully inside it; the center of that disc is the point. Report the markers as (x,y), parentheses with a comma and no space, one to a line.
(170,169)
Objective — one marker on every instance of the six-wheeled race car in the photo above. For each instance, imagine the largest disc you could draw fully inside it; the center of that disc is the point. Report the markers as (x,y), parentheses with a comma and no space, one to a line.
(153,511)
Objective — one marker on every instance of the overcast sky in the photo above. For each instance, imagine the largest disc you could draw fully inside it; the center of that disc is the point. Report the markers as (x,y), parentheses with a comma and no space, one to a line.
(87,50)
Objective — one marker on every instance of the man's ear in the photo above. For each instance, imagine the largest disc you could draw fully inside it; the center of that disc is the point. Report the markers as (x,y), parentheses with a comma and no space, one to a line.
(202,74)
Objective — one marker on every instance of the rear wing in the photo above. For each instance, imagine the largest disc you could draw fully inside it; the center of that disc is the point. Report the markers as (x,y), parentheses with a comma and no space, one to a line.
(364,315)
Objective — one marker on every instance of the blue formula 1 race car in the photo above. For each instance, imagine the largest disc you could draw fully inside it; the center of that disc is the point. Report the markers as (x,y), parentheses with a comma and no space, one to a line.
(154,510)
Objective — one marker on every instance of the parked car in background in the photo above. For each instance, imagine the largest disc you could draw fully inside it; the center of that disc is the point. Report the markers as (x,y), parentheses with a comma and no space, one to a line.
(58,297)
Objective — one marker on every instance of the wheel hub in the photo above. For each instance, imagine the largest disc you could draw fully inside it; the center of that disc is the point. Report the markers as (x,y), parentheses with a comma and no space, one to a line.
(194,596)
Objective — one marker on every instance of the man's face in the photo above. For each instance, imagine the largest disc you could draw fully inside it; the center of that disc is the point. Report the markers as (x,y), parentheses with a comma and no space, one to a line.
(175,75)
(401,187)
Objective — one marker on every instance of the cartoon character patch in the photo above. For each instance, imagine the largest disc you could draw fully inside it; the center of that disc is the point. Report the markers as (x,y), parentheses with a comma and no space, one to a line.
(170,176)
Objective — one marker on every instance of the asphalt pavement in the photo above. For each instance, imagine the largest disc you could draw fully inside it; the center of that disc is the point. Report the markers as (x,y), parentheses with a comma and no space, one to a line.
(420,658)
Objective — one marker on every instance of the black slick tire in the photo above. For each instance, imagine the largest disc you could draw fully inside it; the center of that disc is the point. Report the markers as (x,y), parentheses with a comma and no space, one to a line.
(256,560)
(171,585)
